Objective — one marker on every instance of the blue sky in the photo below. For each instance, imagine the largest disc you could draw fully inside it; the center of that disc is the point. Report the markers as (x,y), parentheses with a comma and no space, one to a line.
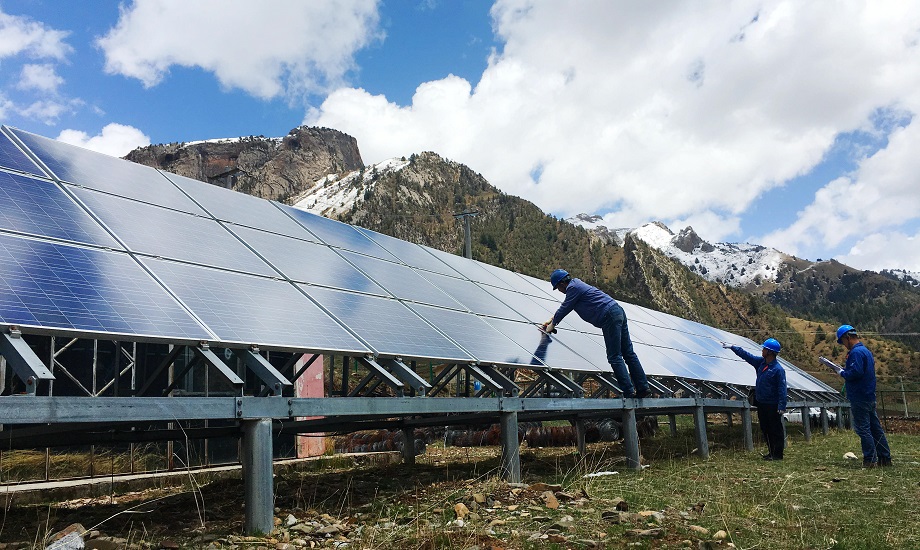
(781,123)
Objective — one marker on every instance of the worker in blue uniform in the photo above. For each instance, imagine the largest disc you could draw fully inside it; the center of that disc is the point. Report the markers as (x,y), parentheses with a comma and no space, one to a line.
(602,311)
(769,393)
(859,374)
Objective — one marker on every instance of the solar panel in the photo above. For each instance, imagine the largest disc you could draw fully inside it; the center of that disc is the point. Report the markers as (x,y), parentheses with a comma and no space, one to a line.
(171,234)
(56,286)
(477,337)
(467,267)
(473,297)
(247,309)
(240,208)
(14,159)
(410,253)
(553,351)
(388,325)
(306,261)
(39,207)
(338,234)
(400,281)
(104,173)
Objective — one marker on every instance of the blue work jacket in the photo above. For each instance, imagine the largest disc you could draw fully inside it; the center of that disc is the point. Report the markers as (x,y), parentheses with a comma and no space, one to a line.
(770,388)
(590,303)
(859,373)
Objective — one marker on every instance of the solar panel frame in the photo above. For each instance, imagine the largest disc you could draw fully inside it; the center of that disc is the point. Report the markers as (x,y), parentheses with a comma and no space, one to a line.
(104,173)
(245,309)
(410,254)
(39,207)
(172,234)
(472,296)
(401,281)
(385,322)
(13,158)
(240,208)
(80,290)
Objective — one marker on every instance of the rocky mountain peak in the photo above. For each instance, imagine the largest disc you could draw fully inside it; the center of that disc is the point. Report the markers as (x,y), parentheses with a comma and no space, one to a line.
(688,241)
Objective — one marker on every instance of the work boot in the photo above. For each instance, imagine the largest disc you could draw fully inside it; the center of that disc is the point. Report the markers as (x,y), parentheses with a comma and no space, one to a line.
(643,393)
(869,464)
(885,462)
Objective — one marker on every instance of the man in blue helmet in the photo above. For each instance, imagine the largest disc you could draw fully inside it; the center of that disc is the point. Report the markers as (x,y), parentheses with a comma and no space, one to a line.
(769,393)
(602,311)
(859,374)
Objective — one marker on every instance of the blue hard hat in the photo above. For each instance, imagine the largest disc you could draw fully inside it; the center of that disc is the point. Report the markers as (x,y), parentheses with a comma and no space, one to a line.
(772,344)
(557,277)
(844,329)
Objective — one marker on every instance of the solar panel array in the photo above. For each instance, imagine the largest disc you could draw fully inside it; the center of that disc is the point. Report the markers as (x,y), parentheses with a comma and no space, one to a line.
(96,245)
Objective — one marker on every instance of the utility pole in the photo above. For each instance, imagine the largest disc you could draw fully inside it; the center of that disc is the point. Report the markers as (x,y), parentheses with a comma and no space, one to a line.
(467,240)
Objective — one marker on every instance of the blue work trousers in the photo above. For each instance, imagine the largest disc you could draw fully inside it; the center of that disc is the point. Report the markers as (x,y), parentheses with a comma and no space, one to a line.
(620,353)
(870,432)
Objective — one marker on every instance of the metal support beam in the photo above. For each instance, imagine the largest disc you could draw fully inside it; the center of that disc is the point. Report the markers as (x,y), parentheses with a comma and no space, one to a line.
(408,450)
(164,364)
(631,439)
(825,423)
(509,388)
(606,384)
(672,423)
(405,374)
(258,486)
(20,357)
(511,448)
(382,374)
(563,383)
(806,422)
(264,370)
(729,419)
(699,421)
(209,357)
(748,428)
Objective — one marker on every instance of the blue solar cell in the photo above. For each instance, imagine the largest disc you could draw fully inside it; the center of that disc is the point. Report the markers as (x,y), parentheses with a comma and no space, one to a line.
(254,310)
(306,261)
(410,253)
(171,234)
(240,208)
(477,337)
(14,159)
(401,281)
(388,325)
(104,173)
(552,351)
(39,207)
(338,234)
(54,286)
(472,296)
(468,268)
(541,286)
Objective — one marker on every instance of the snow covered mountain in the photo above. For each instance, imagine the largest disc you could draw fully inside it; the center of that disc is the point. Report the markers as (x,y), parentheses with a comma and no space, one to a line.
(734,264)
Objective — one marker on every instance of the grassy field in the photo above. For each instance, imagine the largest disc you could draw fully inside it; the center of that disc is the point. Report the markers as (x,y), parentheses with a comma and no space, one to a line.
(813,499)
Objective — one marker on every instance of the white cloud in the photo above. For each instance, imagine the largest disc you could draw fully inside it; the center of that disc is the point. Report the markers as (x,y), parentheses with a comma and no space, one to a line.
(654,110)
(268,49)
(885,251)
(21,35)
(115,139)
(47,111)
(41,77)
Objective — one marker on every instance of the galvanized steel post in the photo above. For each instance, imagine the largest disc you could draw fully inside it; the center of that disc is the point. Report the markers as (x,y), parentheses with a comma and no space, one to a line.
(258,486)
(580,435)
(631,439)
(511,448)
(806,422)
(699,421)
(825,423)
(408,450)
(747,428)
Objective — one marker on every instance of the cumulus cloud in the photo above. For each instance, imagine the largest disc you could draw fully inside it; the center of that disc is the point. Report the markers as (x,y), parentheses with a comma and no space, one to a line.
(114,139)
(267,50)
(885,251)
(21,35)
(42,77)
(667,111)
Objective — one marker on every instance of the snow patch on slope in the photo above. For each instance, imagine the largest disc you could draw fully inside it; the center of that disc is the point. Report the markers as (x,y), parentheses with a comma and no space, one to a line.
(334,194)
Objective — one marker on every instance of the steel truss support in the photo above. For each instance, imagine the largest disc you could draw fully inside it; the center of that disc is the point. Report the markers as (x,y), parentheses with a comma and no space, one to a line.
(806,422)
(631,439)
(258,485)
(408,450)
(607,383)
(264,370)
(748,427)
(393,373)
(20,357)
(825,423)
(550,380)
